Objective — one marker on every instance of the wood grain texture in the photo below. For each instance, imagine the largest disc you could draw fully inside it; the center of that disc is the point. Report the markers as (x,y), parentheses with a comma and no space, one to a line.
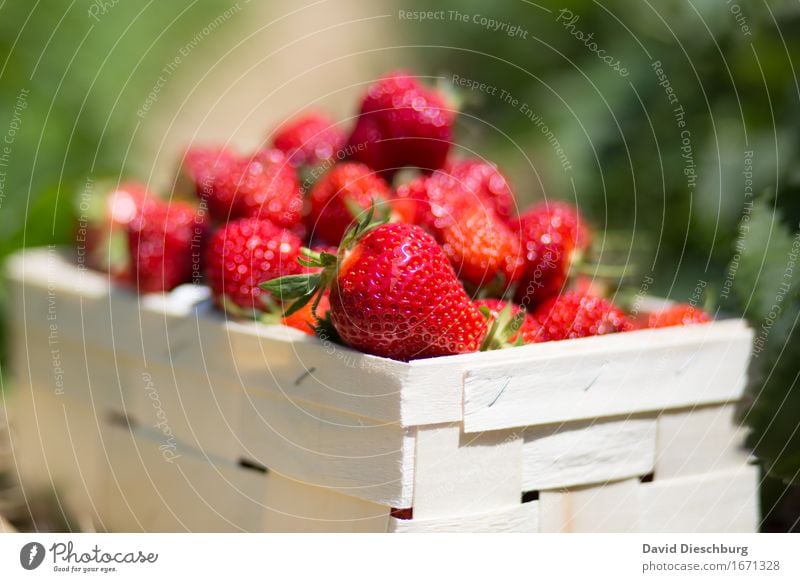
(156,489)
(522,518)
(58,443)
(324,447)
(582,453)
(611,507)
(458,474)
(723,501)
(699,440)
(5,526)
(284,361)
(195,410)
(638,371)
(292,506)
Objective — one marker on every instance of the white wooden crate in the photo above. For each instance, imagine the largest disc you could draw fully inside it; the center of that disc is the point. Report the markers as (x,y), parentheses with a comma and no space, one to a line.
(579,427)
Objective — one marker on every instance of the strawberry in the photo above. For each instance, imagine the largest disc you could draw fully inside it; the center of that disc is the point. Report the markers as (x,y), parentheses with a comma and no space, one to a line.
(402,123)
(199,168)
(309,139)
(514,325)
(242,254)
(544,274)
(481,248)
(165,242)
(487,186)
(479,245)
(554,221)
(346,187)
(263,186)
(393,294)
(107,211)
(412,204)
(573,315)
(487,183)
(550,234)
(679,314)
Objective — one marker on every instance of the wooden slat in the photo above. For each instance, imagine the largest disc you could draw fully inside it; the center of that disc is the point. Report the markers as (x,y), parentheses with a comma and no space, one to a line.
(699,440)
(5,526)
(723,501)
(582,453)
(198,411)
(522,518)
(152,491)
(645,371)
(612,507)
(283,361)
(292,506)
(57,444)
(324,447)
(458,474)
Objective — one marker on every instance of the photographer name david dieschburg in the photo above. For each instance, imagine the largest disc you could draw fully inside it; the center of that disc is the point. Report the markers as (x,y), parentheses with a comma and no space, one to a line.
(64,553)
(693,549)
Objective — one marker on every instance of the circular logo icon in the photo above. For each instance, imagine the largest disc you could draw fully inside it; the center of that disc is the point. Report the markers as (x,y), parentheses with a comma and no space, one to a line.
(31,555)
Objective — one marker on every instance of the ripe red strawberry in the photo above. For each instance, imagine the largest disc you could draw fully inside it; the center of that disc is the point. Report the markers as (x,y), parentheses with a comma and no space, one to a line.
(402,123)
(418,198)
(479,245)
(680,314)
(544,274)
(108,210)
(309,139)
(481,248)
(573,315)
(411,202)
(511,331)
(393,294)
(199,168)
(554,221)
(345,187)
(264,186)
(487,183)
(549,234)
(165,242)
(245,252)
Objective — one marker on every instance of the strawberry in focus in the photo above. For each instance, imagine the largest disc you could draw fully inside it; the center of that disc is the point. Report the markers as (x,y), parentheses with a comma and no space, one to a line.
(242,254)
(573,315)
(165,242)
(679,314)
(393,293)
(309,139)
(346,187)
(480,246)
(402,123)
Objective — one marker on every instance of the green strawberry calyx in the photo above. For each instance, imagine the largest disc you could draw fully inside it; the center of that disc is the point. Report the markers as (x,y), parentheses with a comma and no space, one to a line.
(296,291)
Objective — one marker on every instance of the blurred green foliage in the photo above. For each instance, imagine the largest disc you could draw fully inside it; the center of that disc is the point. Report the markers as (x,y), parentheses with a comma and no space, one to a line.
(71,78)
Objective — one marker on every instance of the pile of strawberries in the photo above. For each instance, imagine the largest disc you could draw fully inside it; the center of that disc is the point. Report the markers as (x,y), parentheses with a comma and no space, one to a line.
(381,239)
